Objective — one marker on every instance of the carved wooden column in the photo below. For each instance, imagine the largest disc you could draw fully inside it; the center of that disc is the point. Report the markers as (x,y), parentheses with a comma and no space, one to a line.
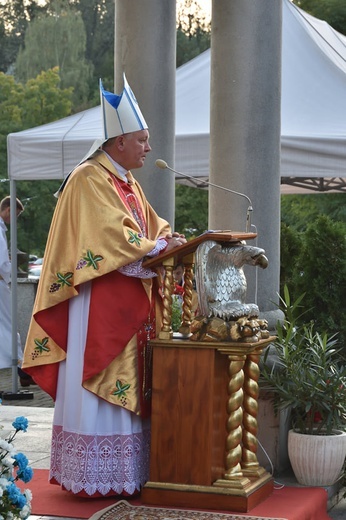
(187,298)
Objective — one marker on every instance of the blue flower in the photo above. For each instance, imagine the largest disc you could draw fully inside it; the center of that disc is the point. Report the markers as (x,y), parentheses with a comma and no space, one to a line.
(14,466)
(21,461)
(20,423)
(26,475)
(15,496)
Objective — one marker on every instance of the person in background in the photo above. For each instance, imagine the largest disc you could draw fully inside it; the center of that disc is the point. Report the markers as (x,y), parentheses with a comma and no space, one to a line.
(5,291)
(178,274)
(96,310)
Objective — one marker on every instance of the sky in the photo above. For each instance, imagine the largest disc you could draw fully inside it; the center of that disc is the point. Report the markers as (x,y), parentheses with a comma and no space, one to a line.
(205,5)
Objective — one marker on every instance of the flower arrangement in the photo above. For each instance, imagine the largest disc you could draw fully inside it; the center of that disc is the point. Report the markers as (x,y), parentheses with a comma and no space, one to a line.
(14,504)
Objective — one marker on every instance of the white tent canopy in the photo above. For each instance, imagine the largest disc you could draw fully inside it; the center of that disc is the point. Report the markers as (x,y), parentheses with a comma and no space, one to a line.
(313,106)
(313,102)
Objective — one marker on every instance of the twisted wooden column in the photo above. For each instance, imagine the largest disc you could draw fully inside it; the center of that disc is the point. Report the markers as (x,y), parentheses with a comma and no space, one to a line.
(250,409)
(233,476)
(168,284)
(187,299)
(250,464)
(235,418)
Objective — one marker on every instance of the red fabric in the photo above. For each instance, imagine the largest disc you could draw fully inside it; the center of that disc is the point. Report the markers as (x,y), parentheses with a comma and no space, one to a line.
(118,308)
(54,320)
(45,376)
(291,503)
(50,500)
(110,326)
(295,503)
(178,289)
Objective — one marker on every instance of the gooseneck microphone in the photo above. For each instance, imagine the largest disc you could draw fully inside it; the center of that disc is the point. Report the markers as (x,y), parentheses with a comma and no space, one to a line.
(160,163)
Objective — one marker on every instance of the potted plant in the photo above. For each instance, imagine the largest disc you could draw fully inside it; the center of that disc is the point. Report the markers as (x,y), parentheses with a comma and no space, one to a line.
(307,376)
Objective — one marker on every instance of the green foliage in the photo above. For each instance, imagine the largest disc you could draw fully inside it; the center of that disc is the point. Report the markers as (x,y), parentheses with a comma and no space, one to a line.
(176,312)
(321,274)
(191,207)
(78,37)
(193,32)
(39,203)
(11,96)
(298,210)
(308,375)
(15,16)
(290,247)
(57,39)
(44,101)
(37,102)
(98,17)
(313,261)
(332,11)
(34,223)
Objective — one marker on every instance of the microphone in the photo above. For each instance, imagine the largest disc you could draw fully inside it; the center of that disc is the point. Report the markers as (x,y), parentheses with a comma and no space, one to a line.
(160,163)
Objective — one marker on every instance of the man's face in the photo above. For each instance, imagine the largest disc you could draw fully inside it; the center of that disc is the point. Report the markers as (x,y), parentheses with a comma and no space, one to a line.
(129,150)
(6,215)
(135,147)
(178,274)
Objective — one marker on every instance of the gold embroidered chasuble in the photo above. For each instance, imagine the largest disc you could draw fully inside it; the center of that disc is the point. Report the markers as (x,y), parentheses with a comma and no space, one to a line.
(93,233)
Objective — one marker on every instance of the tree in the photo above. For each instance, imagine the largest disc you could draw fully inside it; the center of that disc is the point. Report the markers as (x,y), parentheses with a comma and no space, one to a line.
(332,11)
(37,102)
(39,203)
(290,248)
(193,32)
(298,211)
(98,18)
(321,274)
(15,15)
(57,40)
(191,206)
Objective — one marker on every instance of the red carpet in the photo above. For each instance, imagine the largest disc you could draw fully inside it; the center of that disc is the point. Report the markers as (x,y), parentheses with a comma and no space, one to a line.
(291,503)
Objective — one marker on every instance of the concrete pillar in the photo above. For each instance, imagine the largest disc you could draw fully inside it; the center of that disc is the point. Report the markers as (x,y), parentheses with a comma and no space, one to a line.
(245,130)
(145,49)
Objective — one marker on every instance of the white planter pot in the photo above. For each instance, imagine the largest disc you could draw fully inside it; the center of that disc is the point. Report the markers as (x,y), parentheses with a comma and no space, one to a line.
(317,460)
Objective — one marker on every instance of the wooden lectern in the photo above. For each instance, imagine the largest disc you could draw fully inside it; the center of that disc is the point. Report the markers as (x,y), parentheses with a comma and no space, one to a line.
(204,409)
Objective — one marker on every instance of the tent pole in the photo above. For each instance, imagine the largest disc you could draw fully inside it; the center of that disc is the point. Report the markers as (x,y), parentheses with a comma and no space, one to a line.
(13,226)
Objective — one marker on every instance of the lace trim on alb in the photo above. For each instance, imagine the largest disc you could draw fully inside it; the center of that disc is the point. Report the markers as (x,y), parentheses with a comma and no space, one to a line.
(161,244)
(100,463)
(137,270)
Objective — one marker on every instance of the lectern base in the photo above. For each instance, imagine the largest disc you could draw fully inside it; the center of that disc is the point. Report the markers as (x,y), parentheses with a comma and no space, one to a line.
(218,497)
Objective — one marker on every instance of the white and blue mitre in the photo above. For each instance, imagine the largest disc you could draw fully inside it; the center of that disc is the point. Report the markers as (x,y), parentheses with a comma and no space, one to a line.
(120,115)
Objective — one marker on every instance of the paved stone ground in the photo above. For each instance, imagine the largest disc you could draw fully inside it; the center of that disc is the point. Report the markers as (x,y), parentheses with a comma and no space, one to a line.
(28,396)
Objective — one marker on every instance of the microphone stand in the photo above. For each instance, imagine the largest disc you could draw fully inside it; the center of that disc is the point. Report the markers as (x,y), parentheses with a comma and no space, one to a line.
(160,163)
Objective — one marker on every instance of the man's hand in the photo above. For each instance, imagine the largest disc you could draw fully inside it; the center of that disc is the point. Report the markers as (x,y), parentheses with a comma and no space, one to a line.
(174,240)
